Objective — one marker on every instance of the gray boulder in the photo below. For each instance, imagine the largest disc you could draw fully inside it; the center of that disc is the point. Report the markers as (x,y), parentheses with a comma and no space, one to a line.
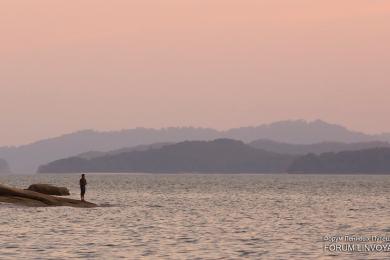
(49,189)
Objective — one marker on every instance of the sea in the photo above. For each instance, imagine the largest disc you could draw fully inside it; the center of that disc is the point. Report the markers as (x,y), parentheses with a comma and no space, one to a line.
(203,216)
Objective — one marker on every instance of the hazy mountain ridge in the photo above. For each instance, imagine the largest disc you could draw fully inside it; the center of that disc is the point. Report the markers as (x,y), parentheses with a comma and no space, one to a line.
(26,158)
(375,161)
(222,155)
(95,154)
(300,132)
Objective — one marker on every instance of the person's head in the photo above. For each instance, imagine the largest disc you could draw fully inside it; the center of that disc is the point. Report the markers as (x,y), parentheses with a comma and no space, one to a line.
(83,175)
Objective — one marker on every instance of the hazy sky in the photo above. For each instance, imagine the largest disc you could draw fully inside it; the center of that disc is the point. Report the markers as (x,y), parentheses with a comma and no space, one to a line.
(70,65)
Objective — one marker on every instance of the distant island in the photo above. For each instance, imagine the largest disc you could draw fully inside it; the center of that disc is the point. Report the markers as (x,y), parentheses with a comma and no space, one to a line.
(4,167)
(226,156)
(375,161)
(218,156)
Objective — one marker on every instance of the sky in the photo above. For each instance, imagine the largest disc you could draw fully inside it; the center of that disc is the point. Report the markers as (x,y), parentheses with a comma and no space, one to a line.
(110,65)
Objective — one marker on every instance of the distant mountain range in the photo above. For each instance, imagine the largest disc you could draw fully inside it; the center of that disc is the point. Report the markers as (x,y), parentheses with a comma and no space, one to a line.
(376,161)
(26,158)
(266,145)
(219,156)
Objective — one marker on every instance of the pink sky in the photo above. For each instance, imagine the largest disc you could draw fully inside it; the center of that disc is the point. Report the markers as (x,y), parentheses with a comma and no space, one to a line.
(70,65)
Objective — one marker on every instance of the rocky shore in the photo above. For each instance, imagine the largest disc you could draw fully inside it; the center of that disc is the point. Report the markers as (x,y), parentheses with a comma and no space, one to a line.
(35,199)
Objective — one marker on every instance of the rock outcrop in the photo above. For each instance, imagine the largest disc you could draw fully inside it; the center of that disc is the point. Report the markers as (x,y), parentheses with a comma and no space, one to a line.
(49,189)
(36,199)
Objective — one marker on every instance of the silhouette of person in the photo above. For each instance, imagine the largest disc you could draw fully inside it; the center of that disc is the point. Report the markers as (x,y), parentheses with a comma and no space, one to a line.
(83,183)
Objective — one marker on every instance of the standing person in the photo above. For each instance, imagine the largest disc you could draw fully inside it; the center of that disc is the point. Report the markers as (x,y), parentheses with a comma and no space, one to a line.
(83,183)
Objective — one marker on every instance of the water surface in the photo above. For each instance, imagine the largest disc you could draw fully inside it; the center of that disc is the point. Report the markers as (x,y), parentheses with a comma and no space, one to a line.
(194,216)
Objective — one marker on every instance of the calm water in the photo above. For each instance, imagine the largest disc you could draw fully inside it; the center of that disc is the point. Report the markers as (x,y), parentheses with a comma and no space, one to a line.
(198,217)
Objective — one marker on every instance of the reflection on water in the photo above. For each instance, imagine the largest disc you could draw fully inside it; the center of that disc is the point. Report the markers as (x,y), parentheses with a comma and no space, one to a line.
(197,217)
